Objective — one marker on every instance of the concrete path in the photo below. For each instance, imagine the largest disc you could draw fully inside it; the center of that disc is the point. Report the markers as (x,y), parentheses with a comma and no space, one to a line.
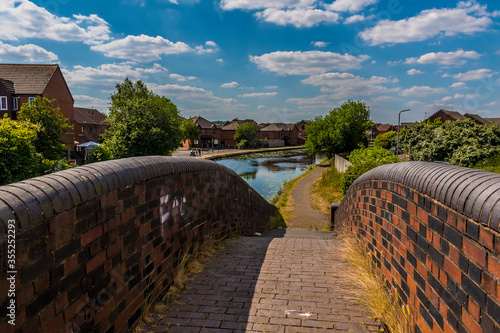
(285,281)
(303,214)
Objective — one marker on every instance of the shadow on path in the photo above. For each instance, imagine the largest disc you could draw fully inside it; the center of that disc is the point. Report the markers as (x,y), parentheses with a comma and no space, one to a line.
(288,280)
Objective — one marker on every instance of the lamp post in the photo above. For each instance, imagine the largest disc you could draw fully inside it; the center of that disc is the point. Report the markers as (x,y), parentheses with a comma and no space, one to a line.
(399,122)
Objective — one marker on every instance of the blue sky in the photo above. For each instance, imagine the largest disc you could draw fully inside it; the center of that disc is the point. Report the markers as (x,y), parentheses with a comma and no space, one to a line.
(272,61)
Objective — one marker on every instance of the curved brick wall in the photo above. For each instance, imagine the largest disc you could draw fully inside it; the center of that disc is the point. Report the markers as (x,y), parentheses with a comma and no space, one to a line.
(433,230)
(93,242)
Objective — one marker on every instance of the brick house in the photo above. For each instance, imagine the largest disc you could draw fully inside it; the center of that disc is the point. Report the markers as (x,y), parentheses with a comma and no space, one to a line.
(287,133)
(302,134)
(229,130)
(21,84)
(89,124)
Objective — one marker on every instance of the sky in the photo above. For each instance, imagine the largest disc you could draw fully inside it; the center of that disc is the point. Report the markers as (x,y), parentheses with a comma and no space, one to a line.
(271,61)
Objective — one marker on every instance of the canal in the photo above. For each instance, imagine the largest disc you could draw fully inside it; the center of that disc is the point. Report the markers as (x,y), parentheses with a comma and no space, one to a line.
(266,172)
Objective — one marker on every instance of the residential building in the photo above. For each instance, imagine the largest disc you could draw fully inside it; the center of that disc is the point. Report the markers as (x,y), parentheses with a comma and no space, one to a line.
(384,128)
(446,115)
(21,84)
(229,130)
(89,125)
(302,134)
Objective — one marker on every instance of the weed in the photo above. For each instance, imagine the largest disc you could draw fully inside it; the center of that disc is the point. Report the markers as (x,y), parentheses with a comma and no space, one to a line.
(373,291)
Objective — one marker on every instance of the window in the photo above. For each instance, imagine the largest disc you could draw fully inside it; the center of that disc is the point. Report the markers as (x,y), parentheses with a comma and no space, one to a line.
(15,103)
(31,100)
(3,102)
(82,129)
(90,130)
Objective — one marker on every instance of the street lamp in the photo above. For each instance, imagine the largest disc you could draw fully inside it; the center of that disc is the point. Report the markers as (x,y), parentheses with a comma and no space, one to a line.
(399,122)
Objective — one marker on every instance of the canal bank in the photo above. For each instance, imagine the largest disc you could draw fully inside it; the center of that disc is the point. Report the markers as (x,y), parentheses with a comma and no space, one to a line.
(217,154)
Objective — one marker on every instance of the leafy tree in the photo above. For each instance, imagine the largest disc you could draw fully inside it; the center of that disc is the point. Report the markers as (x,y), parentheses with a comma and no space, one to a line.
(386,140)
(51,126)
(363,160)
(248,132)
(142,123)
(189,131)
(460,142)
(342,130)
(18,157)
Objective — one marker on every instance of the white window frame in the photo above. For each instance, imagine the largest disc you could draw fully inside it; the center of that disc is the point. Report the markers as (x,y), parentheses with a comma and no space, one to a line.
(31,100)
(15,103)
(3,99)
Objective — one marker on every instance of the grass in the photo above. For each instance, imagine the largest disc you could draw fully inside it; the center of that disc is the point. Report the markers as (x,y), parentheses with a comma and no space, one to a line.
(373,292)
(327,190)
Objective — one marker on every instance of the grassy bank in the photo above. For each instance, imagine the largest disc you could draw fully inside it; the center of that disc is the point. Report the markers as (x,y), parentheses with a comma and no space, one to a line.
(327,190)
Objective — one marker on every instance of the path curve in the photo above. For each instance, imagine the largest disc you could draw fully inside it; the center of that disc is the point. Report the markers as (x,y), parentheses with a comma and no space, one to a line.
(304,215)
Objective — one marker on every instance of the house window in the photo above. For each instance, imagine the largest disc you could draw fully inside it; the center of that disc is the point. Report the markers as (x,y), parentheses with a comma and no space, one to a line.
(15,103)
(3,102)
(31,100)
(82,129)
(90,130)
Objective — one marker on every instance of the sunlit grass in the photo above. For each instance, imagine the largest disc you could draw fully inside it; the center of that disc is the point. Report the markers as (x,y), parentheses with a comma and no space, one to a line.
(327,190)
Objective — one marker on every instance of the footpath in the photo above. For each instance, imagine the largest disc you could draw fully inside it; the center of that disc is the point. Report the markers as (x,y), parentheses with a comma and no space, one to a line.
(287,280)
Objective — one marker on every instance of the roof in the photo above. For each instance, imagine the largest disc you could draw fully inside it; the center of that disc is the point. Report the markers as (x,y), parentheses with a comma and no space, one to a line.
(89,116)
(477,118)
(276,127)
(453,114)
(493,120)
(28,79)
(202,122)
(9,85)
(385,128)
(233,124)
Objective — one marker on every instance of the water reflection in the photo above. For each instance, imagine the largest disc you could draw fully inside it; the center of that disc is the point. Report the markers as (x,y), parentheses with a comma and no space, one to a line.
(267,174)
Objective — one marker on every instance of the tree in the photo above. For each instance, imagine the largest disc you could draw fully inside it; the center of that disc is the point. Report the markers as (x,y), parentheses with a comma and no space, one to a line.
(189,131)
(460,142)
(342,130)
(18,157)
(386,140)
(142,123)
(51,126)
(248,132)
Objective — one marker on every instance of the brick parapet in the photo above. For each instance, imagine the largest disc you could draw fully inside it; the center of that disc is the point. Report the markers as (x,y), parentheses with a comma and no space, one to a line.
(432,229)
(94,242)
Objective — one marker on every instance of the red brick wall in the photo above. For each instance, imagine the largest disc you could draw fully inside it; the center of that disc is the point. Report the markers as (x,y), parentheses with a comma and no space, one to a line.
(94,241)
(433,230)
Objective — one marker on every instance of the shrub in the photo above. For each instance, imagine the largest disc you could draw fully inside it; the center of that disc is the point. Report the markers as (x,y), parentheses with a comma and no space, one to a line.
(386,140)
(354,171)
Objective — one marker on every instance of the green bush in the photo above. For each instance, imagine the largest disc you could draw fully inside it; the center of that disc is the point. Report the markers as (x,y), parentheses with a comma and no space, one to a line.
(386,140)
(363,160)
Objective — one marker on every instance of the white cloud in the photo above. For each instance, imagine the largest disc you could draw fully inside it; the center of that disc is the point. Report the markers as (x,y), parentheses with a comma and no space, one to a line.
(299,18)
(233,84)
(28,53)
(261,107)
(24,19)
(263,4)
(472,75)
(306,63)
(350,5)
(456,96)
(141,48)
(106,76)
(414,71)
(467,18)
(211,43)
(422,91)
(320,44)
(491,104)
(347,85)
(357,18)
(220,60)
(271,87)
(456,58)
(85,101)
(269,94)
(182,78)
(459,85)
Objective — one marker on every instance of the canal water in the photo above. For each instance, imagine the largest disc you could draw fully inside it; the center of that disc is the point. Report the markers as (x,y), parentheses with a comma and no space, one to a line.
(266,172)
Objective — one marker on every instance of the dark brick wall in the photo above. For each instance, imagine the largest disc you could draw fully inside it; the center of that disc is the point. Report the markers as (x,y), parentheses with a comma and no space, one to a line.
(95,241)
(433,230)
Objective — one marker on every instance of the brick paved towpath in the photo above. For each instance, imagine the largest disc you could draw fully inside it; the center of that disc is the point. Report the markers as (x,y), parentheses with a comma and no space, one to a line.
(288,280)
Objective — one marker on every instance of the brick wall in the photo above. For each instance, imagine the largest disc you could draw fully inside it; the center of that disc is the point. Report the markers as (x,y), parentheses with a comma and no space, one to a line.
(95,241)
(433,230)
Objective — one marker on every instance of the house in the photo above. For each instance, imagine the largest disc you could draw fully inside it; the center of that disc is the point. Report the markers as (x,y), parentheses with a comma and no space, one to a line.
(89,124)
(229,130)
(210,133)
(384,128)
(446,115)
(302,134)
(278,134)
(478,119)
(21,84)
